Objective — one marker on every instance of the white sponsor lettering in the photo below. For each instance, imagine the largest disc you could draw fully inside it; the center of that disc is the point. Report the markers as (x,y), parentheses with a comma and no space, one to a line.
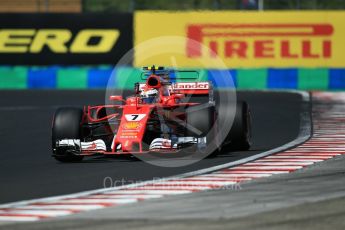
(191,85)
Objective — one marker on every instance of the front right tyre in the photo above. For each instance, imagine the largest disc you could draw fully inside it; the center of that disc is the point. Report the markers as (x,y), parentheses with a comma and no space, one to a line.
(66,125)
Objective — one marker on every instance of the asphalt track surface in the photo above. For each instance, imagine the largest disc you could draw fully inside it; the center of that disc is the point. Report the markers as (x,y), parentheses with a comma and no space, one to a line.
(28,171)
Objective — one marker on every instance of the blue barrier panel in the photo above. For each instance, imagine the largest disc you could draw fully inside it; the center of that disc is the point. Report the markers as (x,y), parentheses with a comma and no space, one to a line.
(282,78)
(42,78)
(336,79)
(215,77)
(98,78)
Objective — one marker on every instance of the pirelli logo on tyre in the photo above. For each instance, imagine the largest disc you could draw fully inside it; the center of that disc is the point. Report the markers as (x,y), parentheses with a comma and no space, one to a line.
(250,39)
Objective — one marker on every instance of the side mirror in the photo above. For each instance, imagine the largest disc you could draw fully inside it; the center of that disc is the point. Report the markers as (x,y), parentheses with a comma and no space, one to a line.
(116,98)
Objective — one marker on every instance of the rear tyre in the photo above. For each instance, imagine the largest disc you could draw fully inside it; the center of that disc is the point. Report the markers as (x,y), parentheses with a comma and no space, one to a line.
(241,131)
(66,125)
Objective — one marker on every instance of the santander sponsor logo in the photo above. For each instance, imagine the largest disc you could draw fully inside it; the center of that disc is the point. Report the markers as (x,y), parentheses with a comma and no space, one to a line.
(191,85)
(260,41)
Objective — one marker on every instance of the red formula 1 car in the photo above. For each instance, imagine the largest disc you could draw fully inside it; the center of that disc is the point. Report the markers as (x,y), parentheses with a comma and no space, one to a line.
(157,118)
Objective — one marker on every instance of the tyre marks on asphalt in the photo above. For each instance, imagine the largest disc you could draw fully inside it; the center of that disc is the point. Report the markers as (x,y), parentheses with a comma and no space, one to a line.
(328,141)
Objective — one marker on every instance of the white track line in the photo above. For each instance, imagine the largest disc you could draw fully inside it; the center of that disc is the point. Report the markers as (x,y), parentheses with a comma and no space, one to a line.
(152,192)
(72,207)
(249,174)
(96,201)
(281,167)
(290,160)
(125,196)
(18,218)
(38,212)
(300,157)
(278,163)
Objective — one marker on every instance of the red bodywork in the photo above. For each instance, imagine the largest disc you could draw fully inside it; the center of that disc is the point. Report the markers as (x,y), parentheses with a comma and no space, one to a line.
(132,116)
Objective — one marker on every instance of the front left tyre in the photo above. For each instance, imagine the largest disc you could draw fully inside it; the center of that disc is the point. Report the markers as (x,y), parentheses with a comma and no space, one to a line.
(66,125)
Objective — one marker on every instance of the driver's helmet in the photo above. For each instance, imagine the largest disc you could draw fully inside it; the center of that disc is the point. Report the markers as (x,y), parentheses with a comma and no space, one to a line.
(149,96)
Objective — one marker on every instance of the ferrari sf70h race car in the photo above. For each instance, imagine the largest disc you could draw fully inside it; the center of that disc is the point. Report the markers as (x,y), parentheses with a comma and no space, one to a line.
(157,118)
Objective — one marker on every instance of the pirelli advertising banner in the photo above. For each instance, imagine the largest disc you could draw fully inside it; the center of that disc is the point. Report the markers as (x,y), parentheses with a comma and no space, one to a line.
(245,39)
(46,39)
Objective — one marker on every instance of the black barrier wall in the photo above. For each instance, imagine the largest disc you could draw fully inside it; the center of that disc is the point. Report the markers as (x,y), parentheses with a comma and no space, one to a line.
(64,39)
